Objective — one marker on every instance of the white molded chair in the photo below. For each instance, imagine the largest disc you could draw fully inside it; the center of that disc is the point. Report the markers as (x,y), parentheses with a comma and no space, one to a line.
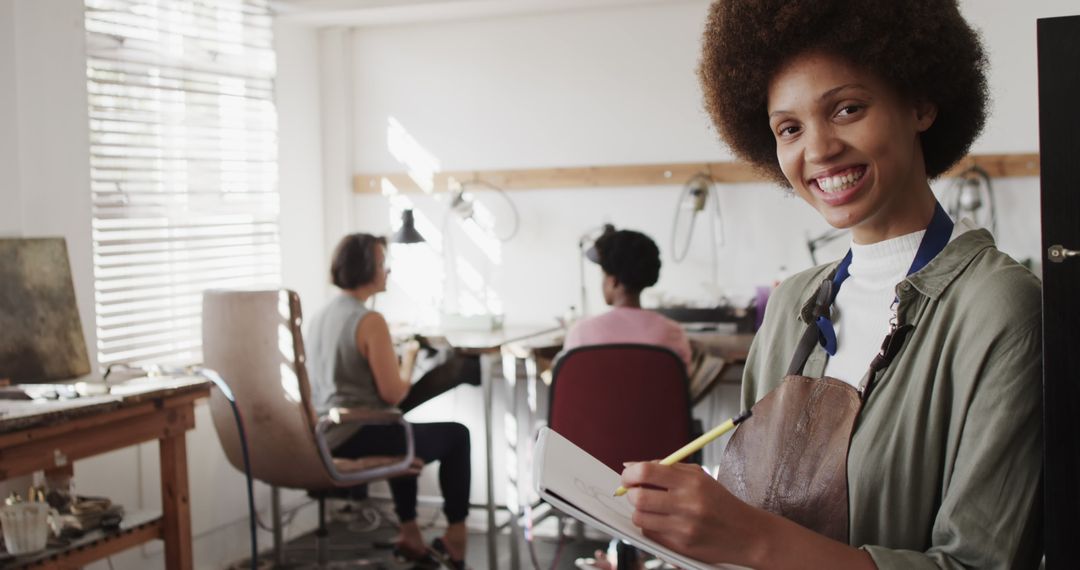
(253,340)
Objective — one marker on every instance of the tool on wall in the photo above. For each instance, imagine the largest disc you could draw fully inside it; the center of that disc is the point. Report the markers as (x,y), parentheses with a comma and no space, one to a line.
(699,197)
(464,204)
(971,195)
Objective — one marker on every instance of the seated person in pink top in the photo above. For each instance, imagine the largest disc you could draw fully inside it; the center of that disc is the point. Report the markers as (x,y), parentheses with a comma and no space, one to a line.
(631,262)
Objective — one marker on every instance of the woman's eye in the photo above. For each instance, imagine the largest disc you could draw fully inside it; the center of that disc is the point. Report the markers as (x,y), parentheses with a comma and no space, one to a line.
(848,110)
(787,130)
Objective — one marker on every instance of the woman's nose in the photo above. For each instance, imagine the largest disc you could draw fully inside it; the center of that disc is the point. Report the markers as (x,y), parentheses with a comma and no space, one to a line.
(821,144)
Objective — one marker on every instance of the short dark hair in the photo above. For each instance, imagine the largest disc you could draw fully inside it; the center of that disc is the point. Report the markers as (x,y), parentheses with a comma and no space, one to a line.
(353,264)
(631,257)
(924,49)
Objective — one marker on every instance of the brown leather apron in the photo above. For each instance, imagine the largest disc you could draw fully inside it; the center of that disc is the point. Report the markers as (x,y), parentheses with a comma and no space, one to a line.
(790,456)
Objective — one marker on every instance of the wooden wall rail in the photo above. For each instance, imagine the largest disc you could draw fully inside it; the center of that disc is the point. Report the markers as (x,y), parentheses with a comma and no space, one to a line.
(997,165)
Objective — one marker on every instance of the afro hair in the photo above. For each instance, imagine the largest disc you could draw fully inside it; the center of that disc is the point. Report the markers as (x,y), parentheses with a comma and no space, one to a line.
(631,257)
(924,49)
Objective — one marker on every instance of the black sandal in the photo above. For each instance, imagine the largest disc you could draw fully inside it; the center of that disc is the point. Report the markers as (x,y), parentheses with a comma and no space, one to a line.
(424,560)
(438,547)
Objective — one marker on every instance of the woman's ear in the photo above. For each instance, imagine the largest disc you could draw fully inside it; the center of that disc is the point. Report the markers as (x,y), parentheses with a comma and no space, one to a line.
(925,114)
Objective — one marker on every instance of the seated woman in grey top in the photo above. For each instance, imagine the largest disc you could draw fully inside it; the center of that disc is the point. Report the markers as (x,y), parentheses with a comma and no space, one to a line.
(352,362)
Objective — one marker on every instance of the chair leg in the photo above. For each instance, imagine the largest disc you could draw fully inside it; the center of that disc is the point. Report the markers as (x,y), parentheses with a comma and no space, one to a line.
(279,543)
(322,541)
(627,556)
(321,534)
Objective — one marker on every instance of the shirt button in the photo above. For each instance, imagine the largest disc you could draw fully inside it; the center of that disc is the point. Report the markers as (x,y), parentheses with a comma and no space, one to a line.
(905,286)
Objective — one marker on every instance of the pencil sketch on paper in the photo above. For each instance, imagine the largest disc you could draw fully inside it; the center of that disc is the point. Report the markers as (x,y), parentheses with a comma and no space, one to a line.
(604,498)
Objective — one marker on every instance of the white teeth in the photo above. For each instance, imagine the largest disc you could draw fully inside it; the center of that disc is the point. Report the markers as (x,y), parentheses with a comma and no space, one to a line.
(832,184)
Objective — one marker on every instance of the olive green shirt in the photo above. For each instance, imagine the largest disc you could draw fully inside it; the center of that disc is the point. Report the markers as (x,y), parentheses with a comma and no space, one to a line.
(945,463)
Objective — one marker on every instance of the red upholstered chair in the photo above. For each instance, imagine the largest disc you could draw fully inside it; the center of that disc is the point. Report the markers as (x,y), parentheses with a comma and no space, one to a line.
(621,402)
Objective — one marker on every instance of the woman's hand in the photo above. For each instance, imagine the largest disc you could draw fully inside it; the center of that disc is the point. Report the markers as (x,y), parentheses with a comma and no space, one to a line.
(685,509)
(688,511)
(408,350)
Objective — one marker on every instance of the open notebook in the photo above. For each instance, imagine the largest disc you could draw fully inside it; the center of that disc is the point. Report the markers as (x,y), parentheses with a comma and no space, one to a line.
(581,486)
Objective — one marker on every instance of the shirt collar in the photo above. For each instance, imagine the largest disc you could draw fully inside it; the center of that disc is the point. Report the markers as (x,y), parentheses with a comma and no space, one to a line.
(931,280)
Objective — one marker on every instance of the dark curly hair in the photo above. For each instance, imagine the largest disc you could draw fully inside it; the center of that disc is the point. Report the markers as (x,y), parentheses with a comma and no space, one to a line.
(631,257)
(922,48)
(354,258)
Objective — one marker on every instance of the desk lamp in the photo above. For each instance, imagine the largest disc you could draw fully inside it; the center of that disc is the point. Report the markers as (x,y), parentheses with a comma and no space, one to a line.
(407,233)
(587,250)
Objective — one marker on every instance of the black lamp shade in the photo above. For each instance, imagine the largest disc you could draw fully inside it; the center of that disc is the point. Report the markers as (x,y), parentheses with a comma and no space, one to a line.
(407,233)
(593,254)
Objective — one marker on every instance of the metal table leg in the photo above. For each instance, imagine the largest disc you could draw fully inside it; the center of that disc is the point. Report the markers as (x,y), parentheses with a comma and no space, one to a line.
(513,488)
(486,362)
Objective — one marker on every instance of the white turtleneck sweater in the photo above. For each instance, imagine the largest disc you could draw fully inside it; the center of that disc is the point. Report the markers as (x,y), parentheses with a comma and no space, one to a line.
(861,312)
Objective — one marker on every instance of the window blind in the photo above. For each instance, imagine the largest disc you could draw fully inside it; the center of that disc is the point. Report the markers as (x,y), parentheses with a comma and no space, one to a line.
(183,159)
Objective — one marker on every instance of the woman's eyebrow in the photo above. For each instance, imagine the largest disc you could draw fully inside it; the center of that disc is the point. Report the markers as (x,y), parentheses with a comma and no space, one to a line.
(826,95)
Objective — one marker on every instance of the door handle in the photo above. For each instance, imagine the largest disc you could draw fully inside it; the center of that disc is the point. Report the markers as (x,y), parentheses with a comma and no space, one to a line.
(1058,253)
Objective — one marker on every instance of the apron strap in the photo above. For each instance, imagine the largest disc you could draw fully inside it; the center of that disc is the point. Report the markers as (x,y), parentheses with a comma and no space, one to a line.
(809,339)
(890,347)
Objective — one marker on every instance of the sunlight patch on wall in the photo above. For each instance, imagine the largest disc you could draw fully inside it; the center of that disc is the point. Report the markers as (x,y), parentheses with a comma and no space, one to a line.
(451,272)
(474,295)
(419,163)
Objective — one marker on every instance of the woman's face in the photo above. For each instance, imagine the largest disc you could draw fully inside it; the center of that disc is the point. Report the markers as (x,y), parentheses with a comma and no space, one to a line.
(849,146)
(382,268)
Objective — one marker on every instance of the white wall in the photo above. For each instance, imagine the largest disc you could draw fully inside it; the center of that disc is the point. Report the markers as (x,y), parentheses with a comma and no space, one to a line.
(10,195)
(303,244)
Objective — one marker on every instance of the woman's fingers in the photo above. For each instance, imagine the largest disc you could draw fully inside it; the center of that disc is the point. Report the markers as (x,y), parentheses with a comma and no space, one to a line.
(651,522)
(658,476)
(654,501)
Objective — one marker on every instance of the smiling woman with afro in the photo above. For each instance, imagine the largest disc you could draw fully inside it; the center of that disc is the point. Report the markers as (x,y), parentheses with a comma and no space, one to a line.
(896,393)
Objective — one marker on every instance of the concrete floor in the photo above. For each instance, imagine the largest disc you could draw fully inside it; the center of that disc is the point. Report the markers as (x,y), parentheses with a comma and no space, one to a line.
(354,540)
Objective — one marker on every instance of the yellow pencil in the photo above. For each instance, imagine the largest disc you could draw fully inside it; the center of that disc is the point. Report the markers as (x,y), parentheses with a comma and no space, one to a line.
(692,447)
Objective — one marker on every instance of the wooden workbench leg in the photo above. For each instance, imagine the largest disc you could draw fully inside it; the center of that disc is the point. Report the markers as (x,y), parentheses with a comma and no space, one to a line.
(175,504)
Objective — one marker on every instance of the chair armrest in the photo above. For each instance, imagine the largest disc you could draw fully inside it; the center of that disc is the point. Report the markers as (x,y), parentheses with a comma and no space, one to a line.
(363,416)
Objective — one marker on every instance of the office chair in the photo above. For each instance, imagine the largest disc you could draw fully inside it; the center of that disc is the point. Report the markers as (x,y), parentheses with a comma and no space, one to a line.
(621,402)
(252,339)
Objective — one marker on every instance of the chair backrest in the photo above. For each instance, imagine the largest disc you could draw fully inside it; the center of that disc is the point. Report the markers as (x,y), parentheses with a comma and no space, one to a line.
(621,402)
(253,340)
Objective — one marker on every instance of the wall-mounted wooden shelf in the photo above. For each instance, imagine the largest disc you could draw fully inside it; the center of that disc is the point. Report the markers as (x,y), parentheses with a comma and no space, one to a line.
(997,165)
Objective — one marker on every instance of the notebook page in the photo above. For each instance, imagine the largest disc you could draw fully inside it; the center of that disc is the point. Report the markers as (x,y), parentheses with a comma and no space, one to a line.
(574,480)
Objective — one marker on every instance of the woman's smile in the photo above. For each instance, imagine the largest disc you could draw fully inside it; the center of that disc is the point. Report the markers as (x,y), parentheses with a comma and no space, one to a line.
(839,185)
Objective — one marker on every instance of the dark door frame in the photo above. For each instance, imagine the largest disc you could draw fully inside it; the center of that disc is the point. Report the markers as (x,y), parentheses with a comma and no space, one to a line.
(1059,151)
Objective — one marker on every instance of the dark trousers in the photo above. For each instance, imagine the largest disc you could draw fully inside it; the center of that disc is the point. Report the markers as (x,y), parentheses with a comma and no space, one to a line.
(457,370)
(445,442)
